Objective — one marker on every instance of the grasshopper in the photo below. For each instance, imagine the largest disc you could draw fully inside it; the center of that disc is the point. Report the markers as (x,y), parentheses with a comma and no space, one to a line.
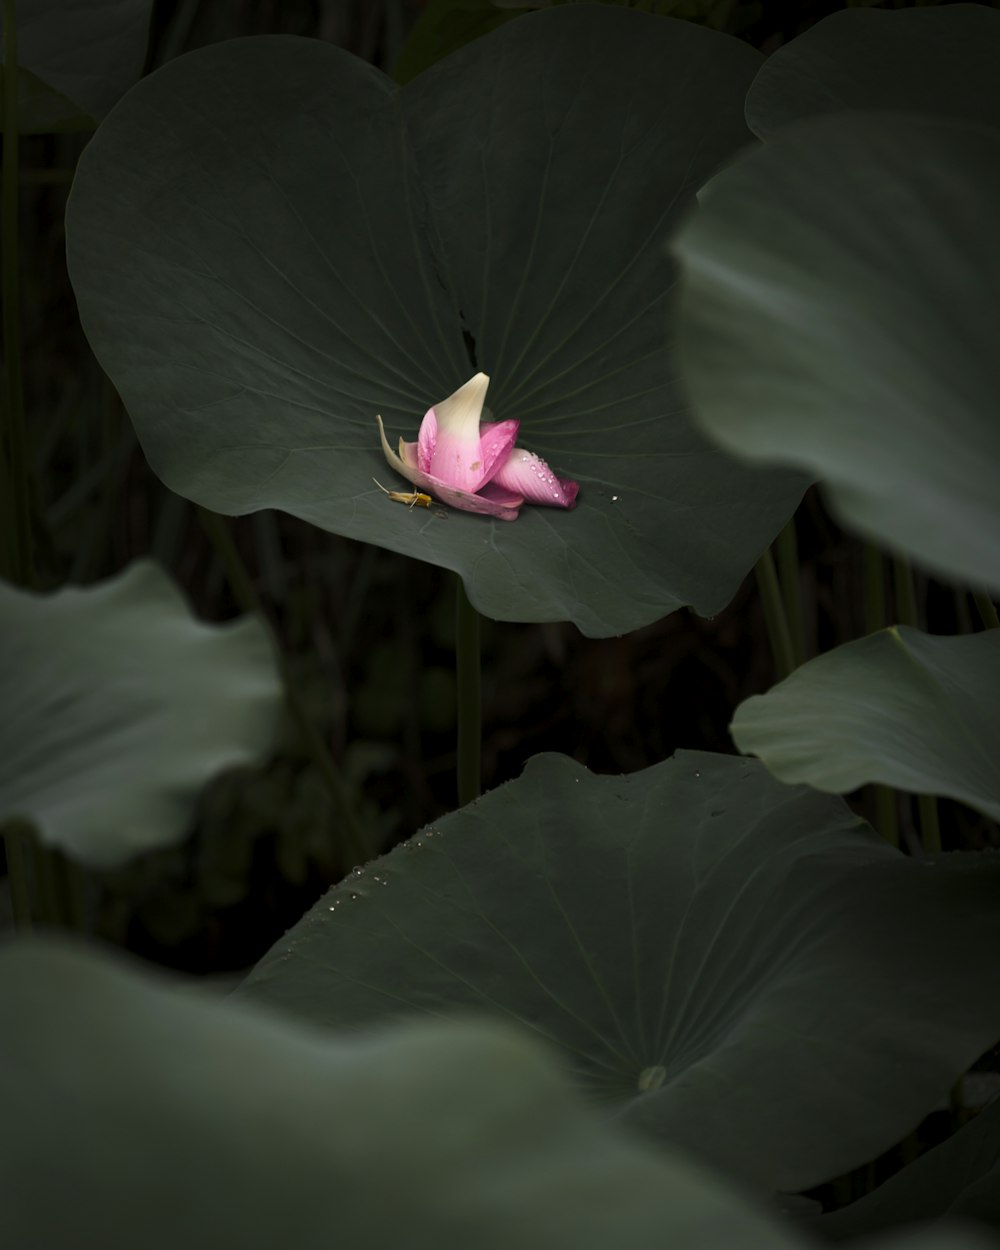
(412,498)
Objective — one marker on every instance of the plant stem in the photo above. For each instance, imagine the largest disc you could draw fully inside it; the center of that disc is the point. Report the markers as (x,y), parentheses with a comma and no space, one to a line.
(20,562)
(50,911)
(874,589)
(930,828)
(906,593)
(468,675)
(886,806)
(245,594)
(886,814)
(17,874)
(57,900)
(774,615)
(47,177)
(987,609)
(787,548)
(70,888)
(906,610)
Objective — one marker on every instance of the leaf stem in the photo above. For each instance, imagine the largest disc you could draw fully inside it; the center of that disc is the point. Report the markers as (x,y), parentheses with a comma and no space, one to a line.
(906,593)
(886,805)
(50,910)
(17,874)
(887,814)
(875,618)
(930,828)
(774,615)
(787,549)
(906,611)
(468,675)
(245,594)
(987,609)
(12,436)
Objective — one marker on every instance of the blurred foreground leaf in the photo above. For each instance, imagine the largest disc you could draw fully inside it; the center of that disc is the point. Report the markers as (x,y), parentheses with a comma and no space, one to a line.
(139,1115)
(118,707)
(837,309)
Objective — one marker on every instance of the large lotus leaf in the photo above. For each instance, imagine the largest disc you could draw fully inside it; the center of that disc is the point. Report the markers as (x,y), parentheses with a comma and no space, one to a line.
(447,25)
(899,707)
(138,1115)
(737,966)
(961,1177)
(939,61)
(838,293)
(270,243)
(76,58)
(118,707)
(135,1115)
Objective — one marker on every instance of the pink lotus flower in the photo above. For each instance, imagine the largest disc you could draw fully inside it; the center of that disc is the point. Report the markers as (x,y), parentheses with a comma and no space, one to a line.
(475,466)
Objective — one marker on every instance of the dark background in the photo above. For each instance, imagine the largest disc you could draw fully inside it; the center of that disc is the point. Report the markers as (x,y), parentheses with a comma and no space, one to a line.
(370,634)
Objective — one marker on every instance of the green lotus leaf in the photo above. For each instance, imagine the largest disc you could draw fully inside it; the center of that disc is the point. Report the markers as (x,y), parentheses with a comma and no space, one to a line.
(723,961)
(118,707)
(138,1115)
(838,288)
(444,26)
(270,243)
(898,707)
(939,61)
(119,1089)
(76,58)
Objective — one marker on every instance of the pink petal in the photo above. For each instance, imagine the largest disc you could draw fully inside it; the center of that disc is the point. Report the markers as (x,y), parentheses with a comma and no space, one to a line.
(529,475)
(458,460)
(497,441)
(452,437)
(498,494)
(426,440)
(503,508)
(500,504)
